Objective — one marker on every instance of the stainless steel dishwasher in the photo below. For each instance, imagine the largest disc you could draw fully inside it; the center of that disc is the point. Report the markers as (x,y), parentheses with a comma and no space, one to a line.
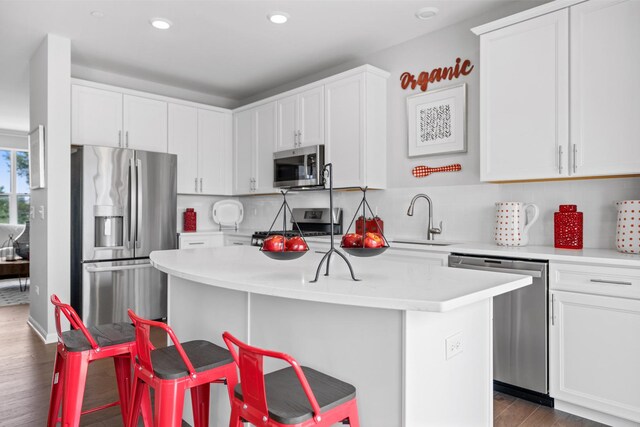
(520,344)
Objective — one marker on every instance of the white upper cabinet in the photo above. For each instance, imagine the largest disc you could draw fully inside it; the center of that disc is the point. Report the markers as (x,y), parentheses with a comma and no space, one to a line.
(113,119)
(243,152)
(96,117)
(356,132)
(559,92)
(301,119)
(214,152)
(183,141)
(145,123)
(202,141)
(605,103)
(255,133)
(524,100)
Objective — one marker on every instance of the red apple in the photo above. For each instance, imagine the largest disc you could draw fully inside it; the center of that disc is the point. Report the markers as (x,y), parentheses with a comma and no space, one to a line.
(373,240)
(273,243)
(352,240)
(296,244)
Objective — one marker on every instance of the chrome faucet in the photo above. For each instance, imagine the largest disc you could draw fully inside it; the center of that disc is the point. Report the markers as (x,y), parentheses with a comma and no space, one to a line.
(430,229)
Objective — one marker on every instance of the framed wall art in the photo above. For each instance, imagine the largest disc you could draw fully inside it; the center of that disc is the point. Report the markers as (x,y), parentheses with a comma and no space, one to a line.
(437,121)
(36,158)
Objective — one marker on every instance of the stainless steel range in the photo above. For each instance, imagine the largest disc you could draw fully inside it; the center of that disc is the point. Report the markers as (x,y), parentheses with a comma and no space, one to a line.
(311,221)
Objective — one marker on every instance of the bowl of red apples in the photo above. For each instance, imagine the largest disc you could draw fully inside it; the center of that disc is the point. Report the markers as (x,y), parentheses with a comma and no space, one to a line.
(279,247)
(371,244)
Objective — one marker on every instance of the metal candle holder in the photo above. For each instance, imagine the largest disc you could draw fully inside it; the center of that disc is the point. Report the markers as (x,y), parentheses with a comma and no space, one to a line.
(328,169)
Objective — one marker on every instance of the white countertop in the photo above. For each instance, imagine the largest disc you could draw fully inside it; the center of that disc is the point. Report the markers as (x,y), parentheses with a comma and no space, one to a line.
(389,285)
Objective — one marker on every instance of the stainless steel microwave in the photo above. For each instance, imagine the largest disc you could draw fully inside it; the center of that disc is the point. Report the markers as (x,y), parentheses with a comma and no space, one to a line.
(300,167)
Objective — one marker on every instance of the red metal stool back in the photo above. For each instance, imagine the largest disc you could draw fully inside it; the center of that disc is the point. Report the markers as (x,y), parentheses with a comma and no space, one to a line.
(171,370)
(286,397)
(76,349)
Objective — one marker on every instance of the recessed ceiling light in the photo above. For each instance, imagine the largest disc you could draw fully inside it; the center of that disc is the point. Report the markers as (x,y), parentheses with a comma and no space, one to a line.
(278,17)
(161,23)
(97,14)
(427,12)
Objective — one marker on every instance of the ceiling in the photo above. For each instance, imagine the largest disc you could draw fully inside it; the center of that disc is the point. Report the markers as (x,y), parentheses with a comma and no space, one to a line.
(225,48)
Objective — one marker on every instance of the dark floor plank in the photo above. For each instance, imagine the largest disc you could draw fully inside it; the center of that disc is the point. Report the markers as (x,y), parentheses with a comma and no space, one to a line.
(515,413)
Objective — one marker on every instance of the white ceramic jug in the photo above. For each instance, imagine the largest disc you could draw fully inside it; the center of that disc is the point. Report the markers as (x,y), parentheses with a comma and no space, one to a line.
(512,226)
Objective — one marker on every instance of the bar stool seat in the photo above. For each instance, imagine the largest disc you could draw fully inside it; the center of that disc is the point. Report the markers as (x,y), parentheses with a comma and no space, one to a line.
(168,364)
(105,335)
(287,402)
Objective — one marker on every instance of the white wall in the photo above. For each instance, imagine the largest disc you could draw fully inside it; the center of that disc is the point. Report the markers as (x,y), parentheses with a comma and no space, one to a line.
(50,105)
(465,205)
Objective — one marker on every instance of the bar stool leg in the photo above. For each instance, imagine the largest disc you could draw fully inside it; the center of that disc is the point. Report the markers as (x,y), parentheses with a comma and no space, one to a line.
(354,420)
(75,379)
(168,405)
(123,379)
(232,380)
(200,405)
(235,420)
(57,385)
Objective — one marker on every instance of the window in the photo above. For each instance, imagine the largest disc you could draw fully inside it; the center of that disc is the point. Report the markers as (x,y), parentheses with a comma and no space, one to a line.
(14,186)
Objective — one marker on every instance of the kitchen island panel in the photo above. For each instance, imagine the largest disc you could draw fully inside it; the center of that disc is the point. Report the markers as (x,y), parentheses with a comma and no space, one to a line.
(359,345)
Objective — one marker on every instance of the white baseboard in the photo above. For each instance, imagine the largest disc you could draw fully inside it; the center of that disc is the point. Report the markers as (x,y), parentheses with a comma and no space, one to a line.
(44,336)
(590,414)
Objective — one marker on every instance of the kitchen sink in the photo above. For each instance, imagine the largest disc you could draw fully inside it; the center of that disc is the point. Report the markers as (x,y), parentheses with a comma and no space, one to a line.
(424,242)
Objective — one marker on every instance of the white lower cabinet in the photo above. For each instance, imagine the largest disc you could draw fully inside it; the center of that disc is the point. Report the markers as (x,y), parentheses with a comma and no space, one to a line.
(200,240)
(237,240)
(594,342)
(423,257)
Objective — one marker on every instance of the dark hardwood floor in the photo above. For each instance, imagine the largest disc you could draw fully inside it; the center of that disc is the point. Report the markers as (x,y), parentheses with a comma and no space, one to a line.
(25,377)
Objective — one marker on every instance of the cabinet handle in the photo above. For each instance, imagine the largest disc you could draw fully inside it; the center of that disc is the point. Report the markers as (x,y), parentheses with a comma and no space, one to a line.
(195,243)
(553,310)
(575,158)
(119,138)
(299,138)
(560,159)
(295,138)
(196,189)
(126,138)
(238,243)
(201,185)
(611,282)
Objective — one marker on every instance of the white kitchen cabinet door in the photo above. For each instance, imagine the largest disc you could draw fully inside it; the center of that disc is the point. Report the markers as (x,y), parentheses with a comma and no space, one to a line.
(345,124)
(524,100)
(183,141)
(96,117)
(594,352)
(145,124)
(311,117)
(287,123)
(214,152)
(265,133)
(605,93)
(243,152)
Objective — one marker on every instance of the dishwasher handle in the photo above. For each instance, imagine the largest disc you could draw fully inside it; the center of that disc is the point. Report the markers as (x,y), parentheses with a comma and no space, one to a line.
(532,273)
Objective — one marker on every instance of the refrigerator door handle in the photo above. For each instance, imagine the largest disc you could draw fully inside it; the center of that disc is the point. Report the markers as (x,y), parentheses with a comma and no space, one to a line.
(132,204)
(118,268)
(139,202)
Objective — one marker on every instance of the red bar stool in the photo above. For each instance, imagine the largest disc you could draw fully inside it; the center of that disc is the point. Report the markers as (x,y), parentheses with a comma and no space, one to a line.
(287,397)
(171,370)
(77,348)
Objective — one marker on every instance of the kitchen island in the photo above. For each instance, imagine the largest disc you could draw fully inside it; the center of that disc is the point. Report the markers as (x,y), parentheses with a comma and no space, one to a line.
(414,339)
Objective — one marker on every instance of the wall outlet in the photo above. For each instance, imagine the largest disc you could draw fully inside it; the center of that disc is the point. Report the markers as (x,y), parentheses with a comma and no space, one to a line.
(37,289)
(454,345)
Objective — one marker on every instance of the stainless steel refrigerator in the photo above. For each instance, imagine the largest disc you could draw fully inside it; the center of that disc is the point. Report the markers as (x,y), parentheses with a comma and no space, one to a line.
(123,207)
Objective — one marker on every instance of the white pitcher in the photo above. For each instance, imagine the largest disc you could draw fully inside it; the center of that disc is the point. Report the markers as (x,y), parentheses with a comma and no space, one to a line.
(512,224)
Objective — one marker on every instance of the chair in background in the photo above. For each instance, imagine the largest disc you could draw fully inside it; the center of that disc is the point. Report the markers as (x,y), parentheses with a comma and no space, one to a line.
(293,396)
(77,348)
(172,370)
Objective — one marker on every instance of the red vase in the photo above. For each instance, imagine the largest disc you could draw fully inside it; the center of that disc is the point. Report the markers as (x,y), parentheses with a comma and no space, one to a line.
(189,220)
(568,227)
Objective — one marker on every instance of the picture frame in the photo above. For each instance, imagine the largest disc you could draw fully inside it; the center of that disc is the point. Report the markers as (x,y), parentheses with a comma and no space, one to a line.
(36,158)
(437,121)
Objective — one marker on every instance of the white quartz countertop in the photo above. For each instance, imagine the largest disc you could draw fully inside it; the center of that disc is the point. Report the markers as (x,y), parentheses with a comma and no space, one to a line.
(385,284)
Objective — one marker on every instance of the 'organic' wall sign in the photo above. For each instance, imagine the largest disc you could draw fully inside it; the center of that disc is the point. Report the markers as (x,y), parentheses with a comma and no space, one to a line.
(437,74)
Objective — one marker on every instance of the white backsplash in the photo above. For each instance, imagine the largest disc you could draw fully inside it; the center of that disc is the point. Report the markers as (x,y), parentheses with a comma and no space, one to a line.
(203,206)
(467,211)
